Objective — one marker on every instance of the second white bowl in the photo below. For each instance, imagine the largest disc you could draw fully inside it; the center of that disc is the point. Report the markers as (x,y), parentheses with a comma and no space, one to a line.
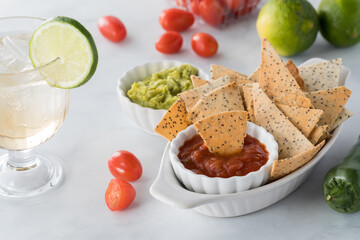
(217,185)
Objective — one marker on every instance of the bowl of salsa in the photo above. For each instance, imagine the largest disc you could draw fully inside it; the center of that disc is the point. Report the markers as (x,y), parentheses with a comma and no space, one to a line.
(203,172)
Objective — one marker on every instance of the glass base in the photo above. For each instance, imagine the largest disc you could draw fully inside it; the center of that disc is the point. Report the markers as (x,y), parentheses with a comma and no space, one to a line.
(44,174)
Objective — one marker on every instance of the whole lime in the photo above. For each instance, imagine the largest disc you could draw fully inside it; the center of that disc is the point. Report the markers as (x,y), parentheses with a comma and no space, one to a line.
(340,21)
(290,25)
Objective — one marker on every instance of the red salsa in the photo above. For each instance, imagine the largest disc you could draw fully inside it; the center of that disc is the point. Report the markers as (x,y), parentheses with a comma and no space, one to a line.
(196,157)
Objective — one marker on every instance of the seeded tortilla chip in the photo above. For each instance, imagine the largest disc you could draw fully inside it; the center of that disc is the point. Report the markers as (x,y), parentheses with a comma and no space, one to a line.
(305,119)
(331,101)
(283,167)
(218,71)
(343,115)
(223,133)
(275,78)
(173,121)
(197,81)
(319,134)
(192,96)
(255,75)
(321,76)
(249,103)
(291,141)
(223,99)
(293,100)
(295,73)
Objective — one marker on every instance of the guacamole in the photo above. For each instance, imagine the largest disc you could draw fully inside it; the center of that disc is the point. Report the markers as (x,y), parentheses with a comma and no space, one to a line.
(159,91)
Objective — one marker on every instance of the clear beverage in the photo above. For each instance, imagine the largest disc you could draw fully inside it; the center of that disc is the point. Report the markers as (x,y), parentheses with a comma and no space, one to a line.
(31,112)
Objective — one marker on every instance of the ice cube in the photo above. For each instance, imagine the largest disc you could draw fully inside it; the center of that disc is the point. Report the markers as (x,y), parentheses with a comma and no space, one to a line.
(19,47)
(14,55)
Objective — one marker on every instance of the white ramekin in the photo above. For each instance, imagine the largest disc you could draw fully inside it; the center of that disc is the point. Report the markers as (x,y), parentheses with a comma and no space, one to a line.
(146,118)
(216,185)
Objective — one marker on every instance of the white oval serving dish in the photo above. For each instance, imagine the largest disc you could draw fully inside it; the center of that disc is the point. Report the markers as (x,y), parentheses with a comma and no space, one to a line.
(168,189)
(146,118)
(214,185)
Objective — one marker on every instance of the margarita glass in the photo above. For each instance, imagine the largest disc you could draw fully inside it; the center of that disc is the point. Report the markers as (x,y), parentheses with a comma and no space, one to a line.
(31,112)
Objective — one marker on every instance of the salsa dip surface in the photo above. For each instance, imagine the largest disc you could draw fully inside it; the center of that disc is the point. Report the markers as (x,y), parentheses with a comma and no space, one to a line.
(195,156)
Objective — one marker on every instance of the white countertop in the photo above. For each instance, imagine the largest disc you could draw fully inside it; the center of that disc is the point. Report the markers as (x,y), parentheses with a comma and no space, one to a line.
(96,126)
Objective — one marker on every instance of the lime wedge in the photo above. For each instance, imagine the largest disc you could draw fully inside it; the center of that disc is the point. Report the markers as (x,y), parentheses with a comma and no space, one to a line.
(68,40)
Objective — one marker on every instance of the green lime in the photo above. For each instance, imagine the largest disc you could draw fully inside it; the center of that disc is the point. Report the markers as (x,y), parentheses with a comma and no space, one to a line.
(290,25)
(340,21)
(67,39)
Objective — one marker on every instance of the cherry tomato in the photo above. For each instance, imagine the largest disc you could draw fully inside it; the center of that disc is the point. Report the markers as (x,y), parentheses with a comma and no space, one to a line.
(119,194)
(112,28)
(204,44)
(234,5)
(194,4)
(124,165)
(212,12)
(175,19)
(169,42)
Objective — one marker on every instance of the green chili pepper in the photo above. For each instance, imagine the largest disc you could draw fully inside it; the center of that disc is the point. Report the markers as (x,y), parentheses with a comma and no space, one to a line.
(341,186)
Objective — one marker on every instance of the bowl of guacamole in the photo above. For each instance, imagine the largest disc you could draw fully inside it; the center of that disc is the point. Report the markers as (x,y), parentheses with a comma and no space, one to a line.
(147,91)
(160,89)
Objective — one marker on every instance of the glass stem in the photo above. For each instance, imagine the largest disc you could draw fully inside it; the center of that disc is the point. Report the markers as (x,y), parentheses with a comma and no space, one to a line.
(21,160)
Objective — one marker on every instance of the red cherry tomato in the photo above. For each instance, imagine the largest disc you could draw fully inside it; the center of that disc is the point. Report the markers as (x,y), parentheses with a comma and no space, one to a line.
(124,165)
(175,19)
(234,5)
(204,44)
(169,42)
(212,12)
(119,194)
(194,4)
(112,28)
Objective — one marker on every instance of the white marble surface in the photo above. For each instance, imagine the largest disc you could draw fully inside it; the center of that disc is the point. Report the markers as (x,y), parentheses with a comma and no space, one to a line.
(96,127)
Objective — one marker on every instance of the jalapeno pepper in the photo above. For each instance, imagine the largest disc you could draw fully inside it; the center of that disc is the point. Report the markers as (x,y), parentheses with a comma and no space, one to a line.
(341,186)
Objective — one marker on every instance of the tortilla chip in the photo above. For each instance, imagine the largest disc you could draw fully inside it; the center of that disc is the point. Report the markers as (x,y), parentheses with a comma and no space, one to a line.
(223,99)
(331,101)
(291,141)
(173,121)
(249,103)
(275,78)
(218,71)
(319,134)
(192,96)
(283,167)
(255,75)
(223,133)
(304,119)
(197,81)
(343,115)
(295,73)
(293,100)
(321,76)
